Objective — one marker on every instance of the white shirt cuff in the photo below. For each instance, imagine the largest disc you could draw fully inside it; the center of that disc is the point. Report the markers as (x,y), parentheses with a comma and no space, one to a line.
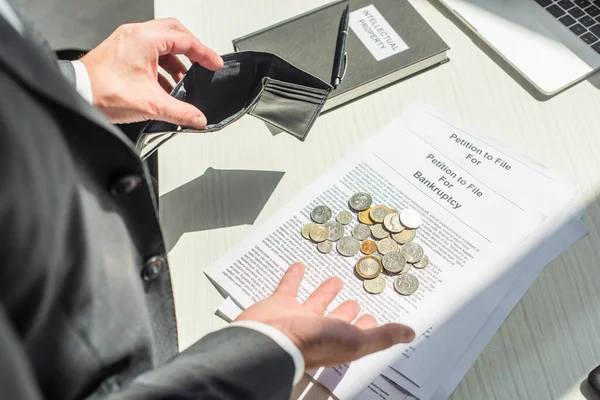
(282,340)
(82,81)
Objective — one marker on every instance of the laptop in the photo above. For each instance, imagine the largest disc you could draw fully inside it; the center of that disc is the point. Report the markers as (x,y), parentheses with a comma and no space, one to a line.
(552,43)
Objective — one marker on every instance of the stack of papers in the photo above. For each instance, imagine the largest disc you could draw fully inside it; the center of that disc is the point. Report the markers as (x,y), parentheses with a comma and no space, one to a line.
(492,219)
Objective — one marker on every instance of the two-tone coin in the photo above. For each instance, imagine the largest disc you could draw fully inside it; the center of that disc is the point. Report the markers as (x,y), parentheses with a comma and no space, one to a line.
(364,218)
(411,218)
(348,246)
(405,236)
(368,247)
(319,233)
(306,230)
(391,222)
(344,217)
(406,284)
(321,214)
(394,262)
(325,247)
(387,245)
(360,201)
(336,230)
(375,285)
(423,263)
(378,213)
(412,252)
(361,232)
(368,267)
(379,232)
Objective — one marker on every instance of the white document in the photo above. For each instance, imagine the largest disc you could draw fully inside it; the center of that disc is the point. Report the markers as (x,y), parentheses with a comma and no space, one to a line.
(468,192)
(483,156)
(466,336)
(446,380)
(460,369)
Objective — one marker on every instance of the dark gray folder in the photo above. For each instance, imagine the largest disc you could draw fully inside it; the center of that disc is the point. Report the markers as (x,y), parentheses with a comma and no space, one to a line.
(309,40)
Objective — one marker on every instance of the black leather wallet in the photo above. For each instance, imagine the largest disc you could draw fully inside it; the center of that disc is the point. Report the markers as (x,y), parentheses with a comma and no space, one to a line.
(256,83)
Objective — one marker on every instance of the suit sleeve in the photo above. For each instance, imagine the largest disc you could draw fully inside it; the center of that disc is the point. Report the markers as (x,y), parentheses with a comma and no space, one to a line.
(233,363)
(17,380)
(67,69)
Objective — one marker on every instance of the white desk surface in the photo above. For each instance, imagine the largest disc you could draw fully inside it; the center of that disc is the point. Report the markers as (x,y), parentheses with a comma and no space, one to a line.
(551,340)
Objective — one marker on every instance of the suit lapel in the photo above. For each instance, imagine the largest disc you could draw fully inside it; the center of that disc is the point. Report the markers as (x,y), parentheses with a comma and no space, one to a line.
(21,59)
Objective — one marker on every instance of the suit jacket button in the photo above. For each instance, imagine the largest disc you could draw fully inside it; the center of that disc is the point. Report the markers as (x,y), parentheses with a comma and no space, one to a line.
(126,184)
(153,267)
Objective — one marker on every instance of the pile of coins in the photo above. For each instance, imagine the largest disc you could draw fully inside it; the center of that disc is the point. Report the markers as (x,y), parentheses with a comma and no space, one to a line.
(384,235)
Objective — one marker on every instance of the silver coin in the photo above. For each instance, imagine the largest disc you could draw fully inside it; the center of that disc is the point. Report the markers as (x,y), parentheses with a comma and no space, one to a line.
(306,230)
(320,214)
(344,217)
(360,201)
(406,284)
(412,252)
(319,233)
(348,246)
(361,232)
(387,245)
(336,230)
(411,218)
(374,286)
(394,262)
(379,232)
(423,263)
(391,222)
(325,247)
(379,213)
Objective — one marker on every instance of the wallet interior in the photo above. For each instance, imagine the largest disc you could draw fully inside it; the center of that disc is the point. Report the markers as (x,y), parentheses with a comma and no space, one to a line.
(227,94)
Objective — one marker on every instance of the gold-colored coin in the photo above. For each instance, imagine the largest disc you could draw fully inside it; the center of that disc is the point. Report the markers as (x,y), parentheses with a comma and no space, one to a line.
(319,233)
(378,213)
(364,217)
(306,230)
(368,247)
(368,267)
(405,236)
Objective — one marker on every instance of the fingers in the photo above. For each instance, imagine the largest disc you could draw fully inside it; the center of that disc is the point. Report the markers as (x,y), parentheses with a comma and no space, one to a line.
(377,339)
(320,299)
(177,42)
(346,311)
(177,112)
(366,322)
(290,283)
(172,64)
(164,83)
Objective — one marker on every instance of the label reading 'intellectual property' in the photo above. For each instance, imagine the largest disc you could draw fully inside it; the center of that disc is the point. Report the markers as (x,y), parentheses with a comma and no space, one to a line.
(375,33)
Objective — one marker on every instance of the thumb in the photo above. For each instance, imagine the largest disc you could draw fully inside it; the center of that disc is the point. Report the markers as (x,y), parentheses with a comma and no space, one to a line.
(179,112)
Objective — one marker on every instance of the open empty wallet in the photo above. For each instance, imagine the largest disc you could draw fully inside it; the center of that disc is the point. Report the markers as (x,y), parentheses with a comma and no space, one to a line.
(256,83)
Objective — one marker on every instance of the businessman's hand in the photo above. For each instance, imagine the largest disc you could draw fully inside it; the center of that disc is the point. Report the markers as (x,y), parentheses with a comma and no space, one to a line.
(123,70)
(324,340)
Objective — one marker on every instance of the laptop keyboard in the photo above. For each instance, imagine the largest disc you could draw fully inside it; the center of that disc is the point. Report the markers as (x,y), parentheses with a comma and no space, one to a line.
(582,17)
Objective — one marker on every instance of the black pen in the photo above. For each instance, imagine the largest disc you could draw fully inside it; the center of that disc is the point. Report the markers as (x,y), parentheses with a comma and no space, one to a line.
(341,57)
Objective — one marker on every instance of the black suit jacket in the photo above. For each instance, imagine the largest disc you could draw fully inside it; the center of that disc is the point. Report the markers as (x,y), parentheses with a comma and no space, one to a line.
(86,308)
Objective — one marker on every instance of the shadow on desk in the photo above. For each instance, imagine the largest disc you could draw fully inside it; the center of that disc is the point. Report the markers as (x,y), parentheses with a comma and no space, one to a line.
(217,199)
